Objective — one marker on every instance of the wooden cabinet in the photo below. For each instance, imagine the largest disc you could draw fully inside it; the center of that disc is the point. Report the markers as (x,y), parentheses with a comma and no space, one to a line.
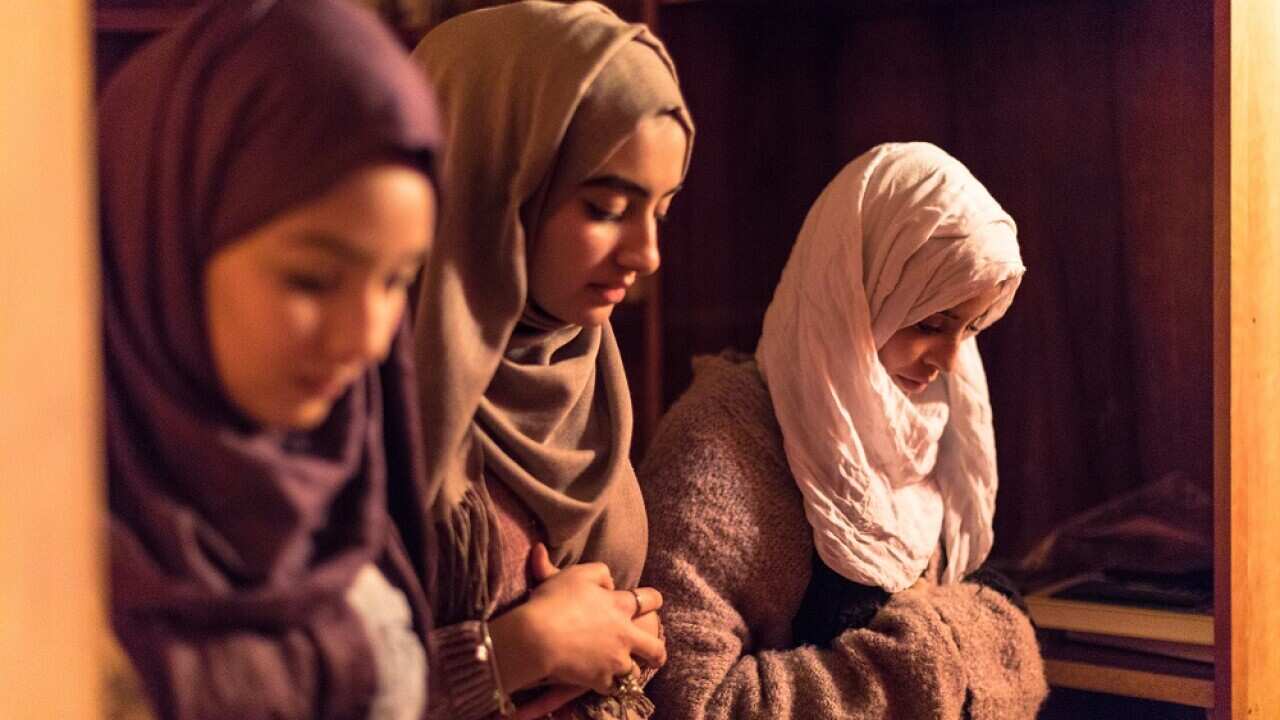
(1137,144)
(51,563)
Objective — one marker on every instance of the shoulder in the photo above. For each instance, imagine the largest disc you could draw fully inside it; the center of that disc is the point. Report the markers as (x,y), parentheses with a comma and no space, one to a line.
(725,419)
(726,414)
(718,453)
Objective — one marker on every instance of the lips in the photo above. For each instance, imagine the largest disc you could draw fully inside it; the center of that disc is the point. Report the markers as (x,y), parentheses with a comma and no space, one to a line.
(910,385)
(327,386)
(610,293)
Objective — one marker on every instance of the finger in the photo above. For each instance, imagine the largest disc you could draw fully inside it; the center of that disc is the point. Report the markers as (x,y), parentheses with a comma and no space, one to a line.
(548,702)
(597,572)
(540,563)
(648,649)
(651,623)
(650,600)
(603,685)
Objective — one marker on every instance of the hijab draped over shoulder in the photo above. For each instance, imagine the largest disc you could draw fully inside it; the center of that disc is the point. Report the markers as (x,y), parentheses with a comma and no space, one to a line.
(217,526)
(903,232)
(537,96)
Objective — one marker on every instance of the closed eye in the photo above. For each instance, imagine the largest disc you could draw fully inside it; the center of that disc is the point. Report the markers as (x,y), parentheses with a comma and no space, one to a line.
(310,284)
(600,214)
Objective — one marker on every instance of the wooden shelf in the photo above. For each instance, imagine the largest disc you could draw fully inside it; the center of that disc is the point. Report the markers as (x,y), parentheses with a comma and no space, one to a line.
(1080,666)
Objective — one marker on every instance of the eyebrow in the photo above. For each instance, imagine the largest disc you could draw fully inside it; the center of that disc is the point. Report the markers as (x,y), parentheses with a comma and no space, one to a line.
(624,185)
(977,322)
(337,246)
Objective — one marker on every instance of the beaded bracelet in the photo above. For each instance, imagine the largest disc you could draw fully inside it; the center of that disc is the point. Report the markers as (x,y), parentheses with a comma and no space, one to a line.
(485,653)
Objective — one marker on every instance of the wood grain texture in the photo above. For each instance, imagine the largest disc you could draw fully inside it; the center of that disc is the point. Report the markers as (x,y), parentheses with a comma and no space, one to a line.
(51,624)
(1130,683)
(1252,476)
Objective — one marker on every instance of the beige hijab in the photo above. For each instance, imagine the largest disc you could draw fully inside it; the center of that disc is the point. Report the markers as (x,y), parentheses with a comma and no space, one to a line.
(538,95)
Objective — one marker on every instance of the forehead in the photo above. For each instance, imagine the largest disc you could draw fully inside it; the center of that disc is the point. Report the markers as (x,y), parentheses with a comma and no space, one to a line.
(653,154)
(378,211)
(975,306)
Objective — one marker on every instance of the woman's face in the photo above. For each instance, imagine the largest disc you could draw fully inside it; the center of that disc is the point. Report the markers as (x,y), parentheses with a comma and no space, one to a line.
(593,245)
(916,354)
(299,308)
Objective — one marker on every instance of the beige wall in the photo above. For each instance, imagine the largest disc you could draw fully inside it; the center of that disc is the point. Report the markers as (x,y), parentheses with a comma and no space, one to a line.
(50,602)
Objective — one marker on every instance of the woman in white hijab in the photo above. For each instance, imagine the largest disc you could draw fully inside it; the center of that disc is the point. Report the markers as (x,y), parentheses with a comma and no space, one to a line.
(858,442)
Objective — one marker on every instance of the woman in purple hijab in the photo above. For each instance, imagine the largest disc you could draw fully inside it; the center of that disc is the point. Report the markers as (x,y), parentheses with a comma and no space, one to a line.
(267,198)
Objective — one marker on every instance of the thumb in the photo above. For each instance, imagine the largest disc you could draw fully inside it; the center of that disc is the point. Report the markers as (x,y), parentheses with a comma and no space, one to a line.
(540,563)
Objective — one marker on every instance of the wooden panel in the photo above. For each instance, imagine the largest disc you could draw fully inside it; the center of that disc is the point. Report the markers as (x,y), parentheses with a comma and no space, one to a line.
(1035,114)
(50,452)
(782,99)
(1164,95)
(1249,478)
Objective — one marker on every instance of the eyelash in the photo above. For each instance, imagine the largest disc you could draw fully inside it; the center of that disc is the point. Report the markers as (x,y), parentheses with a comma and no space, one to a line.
(599,214)
(928,329)
(401,281)
(312,285)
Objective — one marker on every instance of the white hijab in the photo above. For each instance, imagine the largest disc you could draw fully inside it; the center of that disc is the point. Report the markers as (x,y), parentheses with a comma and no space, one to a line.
(903,232)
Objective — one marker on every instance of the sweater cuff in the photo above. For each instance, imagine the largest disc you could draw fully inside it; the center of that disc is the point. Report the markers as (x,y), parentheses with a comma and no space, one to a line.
(1005,671)
(463,657)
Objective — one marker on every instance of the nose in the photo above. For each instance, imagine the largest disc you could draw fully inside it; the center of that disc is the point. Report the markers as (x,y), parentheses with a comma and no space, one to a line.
(360,326)
(639,251)
(942,355)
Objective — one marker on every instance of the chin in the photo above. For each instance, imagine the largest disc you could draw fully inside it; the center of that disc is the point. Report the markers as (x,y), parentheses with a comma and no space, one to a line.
(589,316)
(306,415)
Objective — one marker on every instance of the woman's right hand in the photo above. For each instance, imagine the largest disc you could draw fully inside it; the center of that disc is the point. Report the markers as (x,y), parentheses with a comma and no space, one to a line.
(575,629)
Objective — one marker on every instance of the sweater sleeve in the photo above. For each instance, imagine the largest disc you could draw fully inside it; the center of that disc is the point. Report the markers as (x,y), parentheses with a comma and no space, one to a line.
(464,685)
(730,551)
(306,671)
(720,664)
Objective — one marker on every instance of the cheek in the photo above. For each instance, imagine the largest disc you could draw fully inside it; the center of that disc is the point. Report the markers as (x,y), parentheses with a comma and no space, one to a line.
(566,253)
(390,313)
(258,333)
(899,353)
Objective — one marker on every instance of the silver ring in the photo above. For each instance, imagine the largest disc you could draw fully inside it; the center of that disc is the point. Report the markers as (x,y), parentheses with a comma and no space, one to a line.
(636,594)
(627,683)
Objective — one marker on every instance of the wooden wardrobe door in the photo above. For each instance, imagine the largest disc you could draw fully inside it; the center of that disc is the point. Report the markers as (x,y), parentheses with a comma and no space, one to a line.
(50,449)
(1247,350)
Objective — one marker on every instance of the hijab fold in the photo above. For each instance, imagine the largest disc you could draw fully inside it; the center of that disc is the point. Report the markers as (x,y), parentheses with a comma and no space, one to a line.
(218,526)
(902,232)
(538,95)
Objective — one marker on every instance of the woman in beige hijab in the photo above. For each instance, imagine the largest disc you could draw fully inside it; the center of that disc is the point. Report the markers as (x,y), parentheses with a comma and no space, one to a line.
(567,138)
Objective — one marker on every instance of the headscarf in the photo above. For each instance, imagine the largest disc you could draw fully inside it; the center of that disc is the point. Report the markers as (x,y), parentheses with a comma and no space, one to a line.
(247,109)
(538,95)
(902,232)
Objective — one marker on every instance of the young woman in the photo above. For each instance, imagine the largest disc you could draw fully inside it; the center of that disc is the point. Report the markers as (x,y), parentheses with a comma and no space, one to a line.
(857,441)
(266,200)
(567,138)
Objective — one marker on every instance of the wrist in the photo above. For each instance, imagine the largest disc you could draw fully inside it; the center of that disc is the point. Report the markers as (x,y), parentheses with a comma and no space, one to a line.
(522,658)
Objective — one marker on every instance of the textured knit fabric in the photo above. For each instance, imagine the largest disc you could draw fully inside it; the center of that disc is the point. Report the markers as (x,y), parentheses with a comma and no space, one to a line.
(731,552)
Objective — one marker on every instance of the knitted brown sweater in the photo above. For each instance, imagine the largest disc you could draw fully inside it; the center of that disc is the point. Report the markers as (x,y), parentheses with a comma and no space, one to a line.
(730,549)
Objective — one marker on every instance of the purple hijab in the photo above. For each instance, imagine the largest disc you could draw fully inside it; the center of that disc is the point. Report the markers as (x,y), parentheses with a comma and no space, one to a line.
(232,547)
